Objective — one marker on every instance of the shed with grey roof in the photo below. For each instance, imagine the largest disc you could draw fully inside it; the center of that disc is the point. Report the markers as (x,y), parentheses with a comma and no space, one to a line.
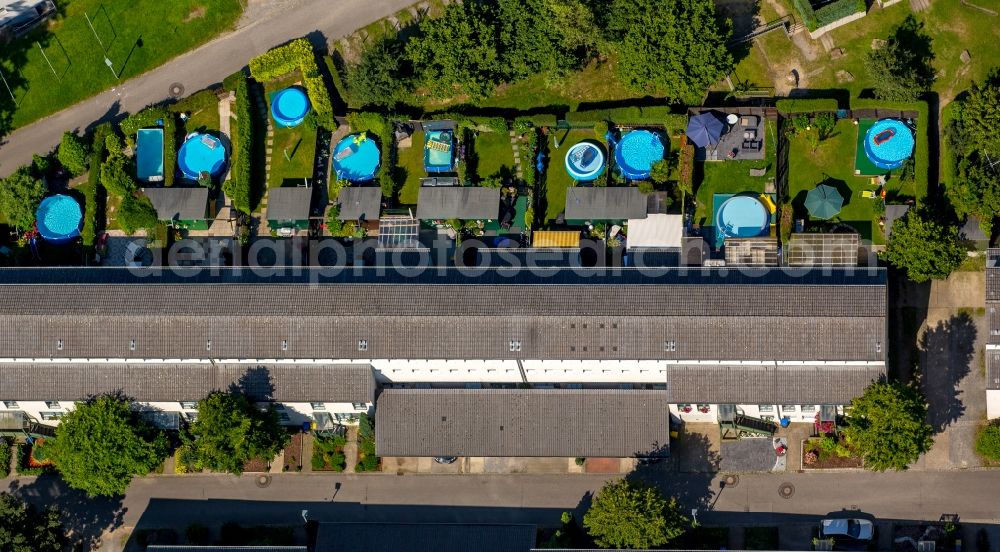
(179,204)
(153,382)
(522,422)
(601,203)
(458,202)
(289,207)
(424,537)
(360,203)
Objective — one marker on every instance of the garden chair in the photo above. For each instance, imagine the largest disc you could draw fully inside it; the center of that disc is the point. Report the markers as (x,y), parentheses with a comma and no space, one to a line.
(868,194)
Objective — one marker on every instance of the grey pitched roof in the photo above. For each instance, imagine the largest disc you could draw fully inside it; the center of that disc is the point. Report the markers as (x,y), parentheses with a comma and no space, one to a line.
(521,422)
(150,382)
(288,203)
(823,250)
(458,202)
(360,203)
(598,203)
(179,203)
(424,537)
(893,212)
(972,231)
(747,384)
(709,314)
(993,369)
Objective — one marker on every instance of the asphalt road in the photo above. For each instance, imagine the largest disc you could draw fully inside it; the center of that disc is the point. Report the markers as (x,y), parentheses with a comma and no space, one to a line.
(323,20)
(176,501)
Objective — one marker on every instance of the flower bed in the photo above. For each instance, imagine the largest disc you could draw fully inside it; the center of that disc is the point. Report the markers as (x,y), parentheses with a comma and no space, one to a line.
(328,454)
(828,452)
(256,465)
(293,453)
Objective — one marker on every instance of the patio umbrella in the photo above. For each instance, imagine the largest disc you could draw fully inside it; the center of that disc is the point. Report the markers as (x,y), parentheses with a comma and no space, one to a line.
(704,129)
(824,201)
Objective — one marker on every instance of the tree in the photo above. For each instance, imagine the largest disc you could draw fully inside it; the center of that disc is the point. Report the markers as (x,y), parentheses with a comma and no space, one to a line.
(20,194)
(886,426)
(924,247)
(136,214)
(230,431)
(379,78)
(627,514)
(988,442)
(115,176)
(901,70)
(101,444)
(975,187)
(981,116)
(73,153)
(458,53)
(26,529)
(672,49)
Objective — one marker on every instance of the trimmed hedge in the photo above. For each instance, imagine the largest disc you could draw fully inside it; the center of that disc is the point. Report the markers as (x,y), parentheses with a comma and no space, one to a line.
(297,54)
(648,115)
(818,105)
(380,126)
(148,118)
(543,120)
(807,13)
(101,134)
(338,83)
(829,13)
(240,183)
(921,153)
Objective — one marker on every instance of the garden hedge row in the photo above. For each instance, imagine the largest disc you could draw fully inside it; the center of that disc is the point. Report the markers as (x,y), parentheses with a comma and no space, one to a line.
(921,153)
(380,126)
(948,158)
(89,231)
(148,118)
(239,185)
(338,83)
(297,54)
(829,13)
(819,105)
(648,115)
(543,120)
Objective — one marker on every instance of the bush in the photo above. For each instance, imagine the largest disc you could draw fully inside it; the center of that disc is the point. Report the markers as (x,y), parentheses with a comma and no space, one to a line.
(73,153)
(367,461)
(988,442)
(522,125)
(116,177)
(319,96)
(346,99)
(90,222)
(600,129)
(297,54)
(792,106)
(135,214)
(240,183)
(4,457)
(543,120)
(838,10)
(787,220)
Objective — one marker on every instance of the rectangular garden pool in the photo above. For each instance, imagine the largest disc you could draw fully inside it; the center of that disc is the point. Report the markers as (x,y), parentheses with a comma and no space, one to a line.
(149,154)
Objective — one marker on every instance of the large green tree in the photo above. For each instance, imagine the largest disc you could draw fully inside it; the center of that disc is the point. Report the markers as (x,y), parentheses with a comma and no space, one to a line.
(981,116)
(20,194)
(230,431)
(23,528)
(136,213)
(673,49)
(887,426)
(974,145)
(627,514)
(381,76)
(901,70)
(73,153)
(102,443)
(924,247)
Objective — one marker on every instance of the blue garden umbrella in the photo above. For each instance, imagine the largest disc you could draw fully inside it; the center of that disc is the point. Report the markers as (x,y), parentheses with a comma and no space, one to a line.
(824,201)
(704,129)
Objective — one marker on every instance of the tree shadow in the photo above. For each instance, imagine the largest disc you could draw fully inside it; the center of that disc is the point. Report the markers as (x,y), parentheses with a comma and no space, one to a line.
(84,518)
(946,352)
(256,383)
(910,36)
(694,489)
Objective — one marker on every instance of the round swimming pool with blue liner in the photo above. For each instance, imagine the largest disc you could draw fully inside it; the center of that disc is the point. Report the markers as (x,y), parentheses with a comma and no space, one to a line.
(636,153)
(197,155)
(356,162)
(585,161)
(742,217)
(893,152)
(289,107)
(59,218)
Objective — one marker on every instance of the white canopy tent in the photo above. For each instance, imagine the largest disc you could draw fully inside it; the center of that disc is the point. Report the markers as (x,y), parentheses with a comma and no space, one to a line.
(656,230)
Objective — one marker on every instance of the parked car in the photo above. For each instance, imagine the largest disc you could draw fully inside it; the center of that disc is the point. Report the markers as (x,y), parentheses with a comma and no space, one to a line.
(445,459)
(847,534)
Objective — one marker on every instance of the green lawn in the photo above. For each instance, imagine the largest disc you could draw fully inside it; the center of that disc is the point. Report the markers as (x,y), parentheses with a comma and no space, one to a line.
(294,150)
(833,163)
(556,179)
(492,156)
(733,177)
(411,160)
(139,35)
(204,111)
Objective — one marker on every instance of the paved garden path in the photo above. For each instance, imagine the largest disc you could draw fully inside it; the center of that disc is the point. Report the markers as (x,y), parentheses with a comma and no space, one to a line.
(321,20)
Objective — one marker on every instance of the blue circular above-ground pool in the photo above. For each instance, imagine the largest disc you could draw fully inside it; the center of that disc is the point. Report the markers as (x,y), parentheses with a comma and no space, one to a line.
(356,158)
(889,143)
(742,217)
(585,161)
(636,153)
(201,153)
(289,107)
(59,218)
